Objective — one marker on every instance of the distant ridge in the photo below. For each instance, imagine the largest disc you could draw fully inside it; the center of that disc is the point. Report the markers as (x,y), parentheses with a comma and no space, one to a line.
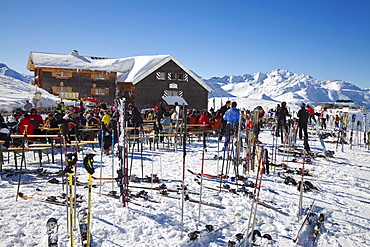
(283,85)
(5,70)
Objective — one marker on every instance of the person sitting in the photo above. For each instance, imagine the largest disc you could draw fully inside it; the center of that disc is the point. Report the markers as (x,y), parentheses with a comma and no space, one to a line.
(79,119)
(4,134)
(48,121)
(216,122)
(205,120)
(95,120)
(166,123)
(37,117)
(13,124)
(31,125)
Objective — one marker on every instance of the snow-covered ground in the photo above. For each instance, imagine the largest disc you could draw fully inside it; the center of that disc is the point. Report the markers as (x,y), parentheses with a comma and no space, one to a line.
(345,200)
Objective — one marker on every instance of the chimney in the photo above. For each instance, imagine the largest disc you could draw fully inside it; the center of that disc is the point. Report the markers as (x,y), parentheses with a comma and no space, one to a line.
(74,52)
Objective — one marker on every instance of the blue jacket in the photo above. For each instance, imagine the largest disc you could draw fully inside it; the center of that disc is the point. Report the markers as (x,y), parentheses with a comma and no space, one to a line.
(232,116)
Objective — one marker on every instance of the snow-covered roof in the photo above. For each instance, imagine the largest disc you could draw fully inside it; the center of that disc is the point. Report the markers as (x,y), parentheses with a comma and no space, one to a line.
(131,69)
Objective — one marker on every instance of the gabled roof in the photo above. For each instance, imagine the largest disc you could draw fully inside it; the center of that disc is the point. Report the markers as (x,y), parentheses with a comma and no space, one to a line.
(131,69)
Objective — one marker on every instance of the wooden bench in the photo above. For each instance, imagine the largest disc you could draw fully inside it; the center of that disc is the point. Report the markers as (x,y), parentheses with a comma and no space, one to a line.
(90,142)
(20,152)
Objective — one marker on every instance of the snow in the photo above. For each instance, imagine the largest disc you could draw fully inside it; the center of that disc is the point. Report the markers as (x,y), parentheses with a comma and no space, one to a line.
(128,68)
(14,94)
(283,85)
(344,179)
(345,200)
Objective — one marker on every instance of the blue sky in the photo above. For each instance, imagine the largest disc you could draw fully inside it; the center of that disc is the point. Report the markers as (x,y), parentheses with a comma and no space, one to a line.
(324,39)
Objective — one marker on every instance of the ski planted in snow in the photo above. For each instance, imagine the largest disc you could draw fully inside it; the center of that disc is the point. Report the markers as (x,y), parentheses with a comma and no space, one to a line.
(317,227)
(83,227)
(306,220)
(52,232)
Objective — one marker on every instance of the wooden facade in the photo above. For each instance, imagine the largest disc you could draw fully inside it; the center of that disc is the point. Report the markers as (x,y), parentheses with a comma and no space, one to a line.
(167,76)
(149,91)
(86,83)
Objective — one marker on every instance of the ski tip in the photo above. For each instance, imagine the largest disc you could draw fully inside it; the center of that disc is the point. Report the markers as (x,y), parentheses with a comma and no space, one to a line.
(52,220)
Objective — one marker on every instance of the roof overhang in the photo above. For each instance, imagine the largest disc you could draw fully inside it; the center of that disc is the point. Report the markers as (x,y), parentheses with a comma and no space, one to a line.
(170,100)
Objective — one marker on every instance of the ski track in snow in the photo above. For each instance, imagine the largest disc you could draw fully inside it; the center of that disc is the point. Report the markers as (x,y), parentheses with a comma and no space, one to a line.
(345,200)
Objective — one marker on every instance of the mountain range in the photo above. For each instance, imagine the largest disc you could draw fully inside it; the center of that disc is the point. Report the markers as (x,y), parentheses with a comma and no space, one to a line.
(266,89)
(283,85)
(6,71)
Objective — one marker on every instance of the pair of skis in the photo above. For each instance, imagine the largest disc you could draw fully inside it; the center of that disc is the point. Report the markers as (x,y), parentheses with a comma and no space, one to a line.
(308,220)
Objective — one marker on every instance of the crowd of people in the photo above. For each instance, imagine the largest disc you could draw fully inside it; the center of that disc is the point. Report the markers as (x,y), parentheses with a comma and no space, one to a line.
(224,121)
(63,120)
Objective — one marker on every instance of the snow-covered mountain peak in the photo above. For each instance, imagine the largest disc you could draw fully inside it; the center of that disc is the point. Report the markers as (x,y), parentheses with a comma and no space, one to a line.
(5,70)
(288,86)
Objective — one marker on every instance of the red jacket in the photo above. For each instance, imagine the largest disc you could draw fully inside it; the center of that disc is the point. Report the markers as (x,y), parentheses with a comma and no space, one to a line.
(311,110)
(37,118)
(204,119)
(30,126)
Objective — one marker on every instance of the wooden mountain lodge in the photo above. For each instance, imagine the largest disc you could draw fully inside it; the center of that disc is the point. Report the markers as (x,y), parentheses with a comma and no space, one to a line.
(142,80)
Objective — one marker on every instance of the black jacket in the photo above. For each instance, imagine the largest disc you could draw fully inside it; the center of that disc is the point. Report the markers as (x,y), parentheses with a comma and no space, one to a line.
(303,116)
(135,117)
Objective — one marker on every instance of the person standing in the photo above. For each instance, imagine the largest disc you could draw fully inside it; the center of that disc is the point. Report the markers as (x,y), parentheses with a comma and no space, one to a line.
(160,110)
(134,118)
(312,113)
(231,117)
(27,107)
(303,116)
(220,114)
(106,140)
(323,116)
(282,113)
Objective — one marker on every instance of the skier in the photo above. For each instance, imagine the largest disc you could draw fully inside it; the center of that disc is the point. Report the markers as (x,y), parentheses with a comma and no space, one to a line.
(303,116)
(232,119)
(220,114)
(323,116)
(105,137)
(312,113)
(282,113)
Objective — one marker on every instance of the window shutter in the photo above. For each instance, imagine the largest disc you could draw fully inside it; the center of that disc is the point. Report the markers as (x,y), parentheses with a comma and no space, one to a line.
(106,91)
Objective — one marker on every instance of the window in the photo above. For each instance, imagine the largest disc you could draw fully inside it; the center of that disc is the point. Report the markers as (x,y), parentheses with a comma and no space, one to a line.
(173,93)
(62,74)
(99,77)
(57,89)
(183,77)
(161,75)
(172,76)
(100,91)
